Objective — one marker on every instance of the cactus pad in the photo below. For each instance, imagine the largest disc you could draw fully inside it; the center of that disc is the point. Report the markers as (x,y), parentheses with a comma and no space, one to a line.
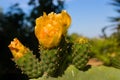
(29,65)
(49,61)
(80,55)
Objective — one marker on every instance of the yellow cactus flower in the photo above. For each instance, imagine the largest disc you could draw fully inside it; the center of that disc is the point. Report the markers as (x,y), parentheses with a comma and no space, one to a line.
(17,48)
(82,40)
(50,28)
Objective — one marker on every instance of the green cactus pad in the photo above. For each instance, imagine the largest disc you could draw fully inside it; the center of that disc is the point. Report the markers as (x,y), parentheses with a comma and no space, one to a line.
(80,55)
(94,73)
(29,65)
(49,61)
(54,61)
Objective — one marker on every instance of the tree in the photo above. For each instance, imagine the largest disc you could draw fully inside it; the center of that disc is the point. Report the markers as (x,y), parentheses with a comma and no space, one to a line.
(117,4)
(116,19)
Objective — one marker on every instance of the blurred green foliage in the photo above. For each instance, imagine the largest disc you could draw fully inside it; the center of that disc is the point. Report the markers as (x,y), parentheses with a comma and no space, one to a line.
(107,48)
(104,49)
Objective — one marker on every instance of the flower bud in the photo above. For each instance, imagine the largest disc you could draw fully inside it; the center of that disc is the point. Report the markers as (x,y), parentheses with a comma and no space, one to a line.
(17,48)
(82,40)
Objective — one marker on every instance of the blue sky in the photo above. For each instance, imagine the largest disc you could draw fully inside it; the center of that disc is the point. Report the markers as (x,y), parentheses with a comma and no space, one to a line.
(88,16)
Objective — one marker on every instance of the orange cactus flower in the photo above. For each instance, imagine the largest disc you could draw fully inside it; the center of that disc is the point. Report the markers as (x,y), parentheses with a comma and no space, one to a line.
(17,48)
(50,28)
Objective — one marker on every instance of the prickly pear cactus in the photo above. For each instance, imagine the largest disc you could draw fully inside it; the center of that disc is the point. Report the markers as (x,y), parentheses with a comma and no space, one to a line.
(25,60)
(80,53)
(51,36)
(57,52)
